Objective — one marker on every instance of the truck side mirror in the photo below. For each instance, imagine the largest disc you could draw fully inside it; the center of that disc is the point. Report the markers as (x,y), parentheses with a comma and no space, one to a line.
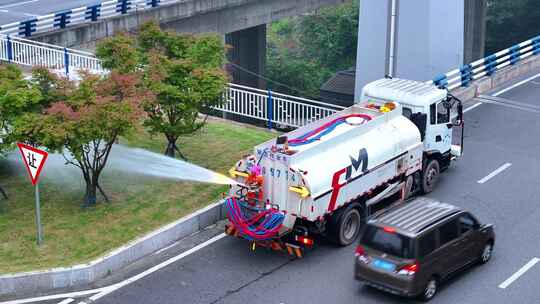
(460,114)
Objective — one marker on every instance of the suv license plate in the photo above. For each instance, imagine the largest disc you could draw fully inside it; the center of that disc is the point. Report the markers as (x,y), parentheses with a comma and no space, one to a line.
(384,265)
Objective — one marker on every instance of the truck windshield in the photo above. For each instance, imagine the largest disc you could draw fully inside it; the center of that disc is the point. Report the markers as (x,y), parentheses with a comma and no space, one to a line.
(388,242)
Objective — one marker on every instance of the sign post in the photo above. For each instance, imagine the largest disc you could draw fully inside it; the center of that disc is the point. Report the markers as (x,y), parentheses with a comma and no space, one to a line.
(34,159)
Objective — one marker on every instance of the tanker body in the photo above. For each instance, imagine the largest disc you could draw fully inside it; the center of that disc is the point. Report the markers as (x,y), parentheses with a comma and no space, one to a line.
(325,177)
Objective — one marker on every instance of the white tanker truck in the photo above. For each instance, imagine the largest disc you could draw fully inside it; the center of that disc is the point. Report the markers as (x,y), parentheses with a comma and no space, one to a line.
(327,177)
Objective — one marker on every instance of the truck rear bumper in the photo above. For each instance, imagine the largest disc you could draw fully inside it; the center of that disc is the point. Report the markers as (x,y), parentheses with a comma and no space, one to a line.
(274,244)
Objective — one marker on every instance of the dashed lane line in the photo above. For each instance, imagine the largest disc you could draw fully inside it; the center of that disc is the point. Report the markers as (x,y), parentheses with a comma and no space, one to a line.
(494,173)
(519,273)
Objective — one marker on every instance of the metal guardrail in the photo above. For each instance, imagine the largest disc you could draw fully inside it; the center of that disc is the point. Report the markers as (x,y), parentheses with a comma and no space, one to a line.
(85,14)
(272,107)
(32,53)
(463,76)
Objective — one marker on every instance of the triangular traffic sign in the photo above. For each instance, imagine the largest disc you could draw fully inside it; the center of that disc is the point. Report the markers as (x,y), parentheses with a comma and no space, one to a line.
(34,159)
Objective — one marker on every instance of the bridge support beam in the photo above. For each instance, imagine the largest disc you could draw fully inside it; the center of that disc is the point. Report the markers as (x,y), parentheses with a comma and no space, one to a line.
(248,55)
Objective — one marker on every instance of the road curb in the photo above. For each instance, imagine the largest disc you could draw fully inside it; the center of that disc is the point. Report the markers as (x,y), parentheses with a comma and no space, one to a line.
(84,274)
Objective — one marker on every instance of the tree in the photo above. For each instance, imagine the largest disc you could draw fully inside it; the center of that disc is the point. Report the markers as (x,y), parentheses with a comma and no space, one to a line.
(303,52)
(84,120)
(510,22)
(17,96)
(184,72)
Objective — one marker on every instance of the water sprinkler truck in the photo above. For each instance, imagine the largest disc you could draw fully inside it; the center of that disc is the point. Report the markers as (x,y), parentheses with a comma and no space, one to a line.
(329,176)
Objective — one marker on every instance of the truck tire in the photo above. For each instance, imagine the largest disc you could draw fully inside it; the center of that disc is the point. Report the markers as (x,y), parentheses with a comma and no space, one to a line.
(430,175)
(408,187)
(345,225)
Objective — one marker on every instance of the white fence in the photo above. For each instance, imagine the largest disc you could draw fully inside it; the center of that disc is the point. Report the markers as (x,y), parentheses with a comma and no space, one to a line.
(31,53)
(272,107)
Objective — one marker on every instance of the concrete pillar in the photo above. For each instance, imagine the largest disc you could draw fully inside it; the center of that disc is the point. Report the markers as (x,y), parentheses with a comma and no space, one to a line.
(431,37)
(248,54)
(475,30)
(373,43)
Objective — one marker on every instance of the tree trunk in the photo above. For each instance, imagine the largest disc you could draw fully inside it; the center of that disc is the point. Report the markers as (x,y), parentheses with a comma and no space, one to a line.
(103,193)
(90,197)
(170,151)
(3,192)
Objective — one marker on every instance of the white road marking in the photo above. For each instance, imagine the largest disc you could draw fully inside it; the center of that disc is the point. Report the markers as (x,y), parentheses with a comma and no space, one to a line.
(143,274)
(516,85)
(163,249)
(519,273)
(492,174)
(3,11)
(472,107)
(19,3)
(67,301)
(55,297)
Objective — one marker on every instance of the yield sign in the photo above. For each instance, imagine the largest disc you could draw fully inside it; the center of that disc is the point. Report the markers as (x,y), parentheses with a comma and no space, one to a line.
(34,159)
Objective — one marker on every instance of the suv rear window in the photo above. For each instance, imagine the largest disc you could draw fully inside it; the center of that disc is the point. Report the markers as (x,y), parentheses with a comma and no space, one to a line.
(388,242)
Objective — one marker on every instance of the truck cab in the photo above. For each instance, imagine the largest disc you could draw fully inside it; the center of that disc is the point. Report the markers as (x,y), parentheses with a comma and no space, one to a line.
(437,114)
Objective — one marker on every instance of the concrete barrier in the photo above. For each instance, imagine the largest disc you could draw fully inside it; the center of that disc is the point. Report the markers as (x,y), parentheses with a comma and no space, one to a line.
(82,275)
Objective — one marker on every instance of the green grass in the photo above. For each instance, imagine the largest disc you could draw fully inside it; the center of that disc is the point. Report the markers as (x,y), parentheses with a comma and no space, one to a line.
(138,204)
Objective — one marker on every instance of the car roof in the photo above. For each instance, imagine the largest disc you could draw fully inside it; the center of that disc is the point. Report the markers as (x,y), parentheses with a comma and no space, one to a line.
(416,216)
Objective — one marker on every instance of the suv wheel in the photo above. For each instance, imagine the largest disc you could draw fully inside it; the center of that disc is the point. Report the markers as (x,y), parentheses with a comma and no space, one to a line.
(486,253)
(345,226)
(431,175)
(430,290)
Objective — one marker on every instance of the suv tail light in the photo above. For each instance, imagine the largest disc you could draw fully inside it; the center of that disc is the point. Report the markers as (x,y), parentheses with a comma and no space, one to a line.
(409,270)
(360,253)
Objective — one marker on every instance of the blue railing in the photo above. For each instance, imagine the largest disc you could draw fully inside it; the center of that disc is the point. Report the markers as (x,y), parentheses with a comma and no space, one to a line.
(85,14)
(463,76)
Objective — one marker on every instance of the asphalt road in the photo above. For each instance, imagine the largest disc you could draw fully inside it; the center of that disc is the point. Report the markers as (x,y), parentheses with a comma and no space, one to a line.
(13,10)
(226,271)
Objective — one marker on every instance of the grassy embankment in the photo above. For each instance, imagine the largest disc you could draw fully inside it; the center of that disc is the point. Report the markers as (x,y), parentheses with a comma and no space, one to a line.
(138,204)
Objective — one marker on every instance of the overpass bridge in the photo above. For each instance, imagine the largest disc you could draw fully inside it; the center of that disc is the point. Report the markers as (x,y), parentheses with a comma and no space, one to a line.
(81,23)
(507,201)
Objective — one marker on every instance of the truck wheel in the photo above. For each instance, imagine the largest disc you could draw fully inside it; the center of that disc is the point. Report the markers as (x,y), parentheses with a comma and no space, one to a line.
(408,187)
(345,226)
(430,176)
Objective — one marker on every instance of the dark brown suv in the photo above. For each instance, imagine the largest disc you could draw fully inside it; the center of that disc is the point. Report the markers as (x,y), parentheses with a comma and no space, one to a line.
(410,248)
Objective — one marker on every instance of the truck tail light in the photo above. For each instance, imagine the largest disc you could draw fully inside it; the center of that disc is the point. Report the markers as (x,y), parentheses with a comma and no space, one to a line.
(305,241)
(409,270)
